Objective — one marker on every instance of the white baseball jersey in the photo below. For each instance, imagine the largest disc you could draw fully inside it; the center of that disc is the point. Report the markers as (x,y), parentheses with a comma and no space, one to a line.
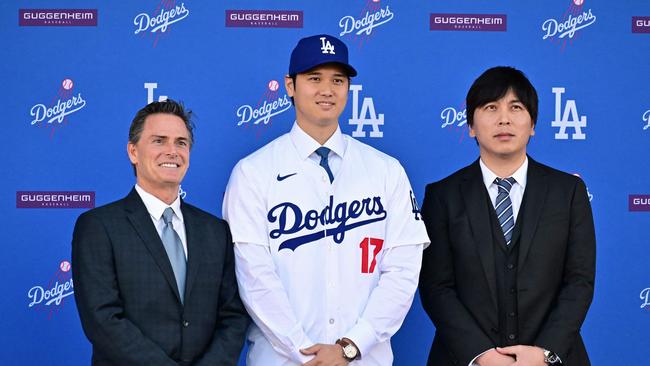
(317,261)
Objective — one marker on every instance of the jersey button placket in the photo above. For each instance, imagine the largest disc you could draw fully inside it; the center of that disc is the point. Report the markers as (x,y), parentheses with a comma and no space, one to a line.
(332,270)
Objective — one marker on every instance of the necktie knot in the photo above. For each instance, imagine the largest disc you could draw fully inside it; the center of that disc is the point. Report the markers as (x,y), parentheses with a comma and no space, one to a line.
(323,152)
(167,215)
(505,183)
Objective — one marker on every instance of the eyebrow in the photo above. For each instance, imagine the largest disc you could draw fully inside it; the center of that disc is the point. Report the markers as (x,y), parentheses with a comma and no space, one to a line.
(318,73)
(166,137)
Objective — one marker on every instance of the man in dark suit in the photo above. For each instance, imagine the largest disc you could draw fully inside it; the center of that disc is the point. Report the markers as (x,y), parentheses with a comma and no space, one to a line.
(509,275)
(154,276)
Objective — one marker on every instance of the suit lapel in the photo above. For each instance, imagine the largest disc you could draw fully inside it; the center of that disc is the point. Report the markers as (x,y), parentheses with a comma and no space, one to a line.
(532,205)
(141,220)
(475,198)
(194,247)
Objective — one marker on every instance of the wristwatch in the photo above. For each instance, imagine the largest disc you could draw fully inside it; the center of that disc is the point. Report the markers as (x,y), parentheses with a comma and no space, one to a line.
(350,351)
(550,358)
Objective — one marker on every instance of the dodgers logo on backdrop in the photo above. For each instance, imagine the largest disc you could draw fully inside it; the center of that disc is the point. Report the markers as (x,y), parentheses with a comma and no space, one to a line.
(451,116)
(646,119)
(454,120)
(568,119)
(264,18)
(160,20)
(468,22)
(64,103)
(366,116)
(51,297)
(645,298)
(271,104)
(568,27)
(337,218)
(57,17)
(373,15)
(151,87)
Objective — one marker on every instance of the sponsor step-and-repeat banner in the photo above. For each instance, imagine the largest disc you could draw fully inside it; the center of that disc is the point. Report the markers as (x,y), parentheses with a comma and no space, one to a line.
(75,73)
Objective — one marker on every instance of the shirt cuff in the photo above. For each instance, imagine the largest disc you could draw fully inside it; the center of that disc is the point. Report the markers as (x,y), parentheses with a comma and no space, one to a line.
(473,361)
(363,336)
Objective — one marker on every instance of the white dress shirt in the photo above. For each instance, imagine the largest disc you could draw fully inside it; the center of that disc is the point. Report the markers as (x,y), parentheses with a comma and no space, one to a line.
(156,207)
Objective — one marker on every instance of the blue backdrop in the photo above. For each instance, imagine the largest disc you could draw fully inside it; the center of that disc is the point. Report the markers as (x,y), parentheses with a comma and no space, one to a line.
(75,73)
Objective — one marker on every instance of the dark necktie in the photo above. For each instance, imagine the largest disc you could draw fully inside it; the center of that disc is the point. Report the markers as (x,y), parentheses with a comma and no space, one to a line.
(175,252)
(503,207)
(323,152)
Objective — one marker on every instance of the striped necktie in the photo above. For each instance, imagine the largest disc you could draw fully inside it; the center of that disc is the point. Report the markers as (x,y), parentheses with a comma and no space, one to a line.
(503,207)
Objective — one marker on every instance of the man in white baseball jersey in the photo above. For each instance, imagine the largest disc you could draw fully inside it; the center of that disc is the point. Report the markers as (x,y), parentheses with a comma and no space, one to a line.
(328,237)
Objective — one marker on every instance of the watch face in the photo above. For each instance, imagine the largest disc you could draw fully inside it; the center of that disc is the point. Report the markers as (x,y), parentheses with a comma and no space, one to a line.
(350,351)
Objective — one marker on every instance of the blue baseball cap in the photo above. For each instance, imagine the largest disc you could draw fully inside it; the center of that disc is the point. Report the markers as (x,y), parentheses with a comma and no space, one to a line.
(318,50)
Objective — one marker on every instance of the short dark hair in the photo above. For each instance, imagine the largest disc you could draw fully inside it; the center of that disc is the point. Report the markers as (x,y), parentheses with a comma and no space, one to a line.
(168,106)
(494,84)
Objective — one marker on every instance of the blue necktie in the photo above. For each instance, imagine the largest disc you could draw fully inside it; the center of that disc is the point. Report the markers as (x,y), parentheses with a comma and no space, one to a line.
(175,252)
(503,207)
(323,152)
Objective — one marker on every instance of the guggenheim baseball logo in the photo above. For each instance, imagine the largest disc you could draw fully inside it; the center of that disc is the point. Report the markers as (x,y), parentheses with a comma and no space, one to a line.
(57,17)
(468,22)
(264,18)
(639,202)
(641,25)
(51,297)
(646,119)
(55,199)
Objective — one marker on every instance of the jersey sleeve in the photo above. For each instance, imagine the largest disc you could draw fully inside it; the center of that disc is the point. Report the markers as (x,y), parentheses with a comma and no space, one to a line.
(404,224)
(244,206)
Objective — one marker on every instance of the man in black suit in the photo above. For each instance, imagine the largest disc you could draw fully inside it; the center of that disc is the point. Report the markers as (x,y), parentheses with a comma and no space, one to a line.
(154,276)
(509,275)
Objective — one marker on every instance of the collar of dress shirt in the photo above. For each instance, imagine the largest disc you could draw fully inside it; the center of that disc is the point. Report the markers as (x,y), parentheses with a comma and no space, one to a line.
(156,207)
(520,174)
(306,145)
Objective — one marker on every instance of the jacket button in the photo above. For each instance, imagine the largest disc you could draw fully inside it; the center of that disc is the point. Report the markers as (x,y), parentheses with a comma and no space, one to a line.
(513,290)
(512,336)
(511,266)
(186,323)
(511,314)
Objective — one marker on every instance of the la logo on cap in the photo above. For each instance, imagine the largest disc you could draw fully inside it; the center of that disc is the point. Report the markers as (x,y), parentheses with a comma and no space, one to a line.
(326,46)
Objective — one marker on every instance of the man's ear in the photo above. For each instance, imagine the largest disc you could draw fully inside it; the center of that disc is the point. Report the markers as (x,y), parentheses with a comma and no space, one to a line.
(288,84)
(133,153)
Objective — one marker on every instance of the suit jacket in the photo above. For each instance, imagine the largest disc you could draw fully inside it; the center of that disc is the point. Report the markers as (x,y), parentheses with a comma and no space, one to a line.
(127,296)
(555,268)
